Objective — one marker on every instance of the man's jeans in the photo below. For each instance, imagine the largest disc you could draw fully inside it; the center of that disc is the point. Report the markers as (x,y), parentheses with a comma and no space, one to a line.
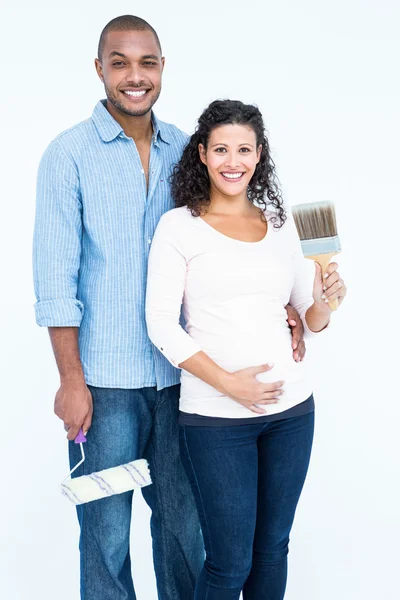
(247,480)
(127,425)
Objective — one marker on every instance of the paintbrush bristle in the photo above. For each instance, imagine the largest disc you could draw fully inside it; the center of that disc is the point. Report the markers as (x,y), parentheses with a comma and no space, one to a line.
(315,220)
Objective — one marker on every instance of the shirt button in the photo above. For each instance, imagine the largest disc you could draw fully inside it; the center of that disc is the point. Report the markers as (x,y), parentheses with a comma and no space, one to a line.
(142,170)
(149,241)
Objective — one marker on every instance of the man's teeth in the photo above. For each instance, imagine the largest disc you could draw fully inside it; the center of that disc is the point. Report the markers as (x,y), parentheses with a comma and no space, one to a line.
(232,175)
(135,94)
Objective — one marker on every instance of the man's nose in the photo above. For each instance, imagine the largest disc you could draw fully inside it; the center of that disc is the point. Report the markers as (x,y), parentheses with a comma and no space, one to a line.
(135,75)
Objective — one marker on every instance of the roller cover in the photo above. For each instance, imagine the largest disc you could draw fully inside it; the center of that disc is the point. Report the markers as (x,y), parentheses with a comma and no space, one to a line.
(105,483)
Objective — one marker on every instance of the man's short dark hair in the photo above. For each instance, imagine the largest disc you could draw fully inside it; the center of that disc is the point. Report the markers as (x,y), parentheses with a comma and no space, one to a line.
(125,23)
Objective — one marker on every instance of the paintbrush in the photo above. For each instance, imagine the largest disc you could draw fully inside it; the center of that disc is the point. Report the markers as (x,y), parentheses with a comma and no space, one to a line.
(316,226)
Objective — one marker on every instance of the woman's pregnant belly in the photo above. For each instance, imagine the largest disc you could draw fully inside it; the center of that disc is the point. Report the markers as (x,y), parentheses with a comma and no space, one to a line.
(255,340)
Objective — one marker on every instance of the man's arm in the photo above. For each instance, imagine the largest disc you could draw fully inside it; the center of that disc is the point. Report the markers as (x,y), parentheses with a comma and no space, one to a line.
(73,402)
(56,262)
(297,330)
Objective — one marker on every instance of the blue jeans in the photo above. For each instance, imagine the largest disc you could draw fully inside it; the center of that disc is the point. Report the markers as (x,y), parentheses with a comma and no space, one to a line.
(127,425)
(247,480)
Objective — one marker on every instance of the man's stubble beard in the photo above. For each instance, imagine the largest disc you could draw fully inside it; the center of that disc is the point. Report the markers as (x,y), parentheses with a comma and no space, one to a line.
(120,107)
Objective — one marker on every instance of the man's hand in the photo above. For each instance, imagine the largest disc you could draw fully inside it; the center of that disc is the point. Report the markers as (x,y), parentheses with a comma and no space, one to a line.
(297,329)
(74,405)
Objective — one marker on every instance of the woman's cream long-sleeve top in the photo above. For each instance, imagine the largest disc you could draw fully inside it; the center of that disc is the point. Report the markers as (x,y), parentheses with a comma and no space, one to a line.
(234,295)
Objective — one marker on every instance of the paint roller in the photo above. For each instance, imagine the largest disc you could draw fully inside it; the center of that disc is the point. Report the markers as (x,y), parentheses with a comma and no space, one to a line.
(116,480)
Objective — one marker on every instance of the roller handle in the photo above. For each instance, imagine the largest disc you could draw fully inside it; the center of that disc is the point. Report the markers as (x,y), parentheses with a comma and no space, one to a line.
(80,438)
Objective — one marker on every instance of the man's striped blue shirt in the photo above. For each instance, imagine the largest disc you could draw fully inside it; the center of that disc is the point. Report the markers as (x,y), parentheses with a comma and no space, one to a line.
(95,220)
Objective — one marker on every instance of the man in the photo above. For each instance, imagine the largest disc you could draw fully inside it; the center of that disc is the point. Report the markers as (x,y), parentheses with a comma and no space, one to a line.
(102,187)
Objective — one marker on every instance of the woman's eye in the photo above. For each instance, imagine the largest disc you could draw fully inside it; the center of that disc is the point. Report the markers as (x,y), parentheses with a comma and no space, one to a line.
(220,150)
(245,150)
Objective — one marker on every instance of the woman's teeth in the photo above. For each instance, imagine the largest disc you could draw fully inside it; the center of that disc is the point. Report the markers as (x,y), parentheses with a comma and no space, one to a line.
(135,94)
(232,175)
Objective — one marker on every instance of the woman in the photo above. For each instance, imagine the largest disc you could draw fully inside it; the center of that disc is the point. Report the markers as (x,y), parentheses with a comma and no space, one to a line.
(232,254)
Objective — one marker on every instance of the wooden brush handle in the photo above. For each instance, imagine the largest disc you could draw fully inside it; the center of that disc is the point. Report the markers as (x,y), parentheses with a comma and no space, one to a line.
(323,260)
(334,304)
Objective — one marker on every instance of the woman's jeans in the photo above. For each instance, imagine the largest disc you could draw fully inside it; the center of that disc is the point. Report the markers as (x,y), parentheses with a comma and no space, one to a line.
(247,481)
(131,424)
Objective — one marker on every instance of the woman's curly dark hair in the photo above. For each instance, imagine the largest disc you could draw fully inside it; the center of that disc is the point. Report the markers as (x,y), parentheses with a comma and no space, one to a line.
(190,182)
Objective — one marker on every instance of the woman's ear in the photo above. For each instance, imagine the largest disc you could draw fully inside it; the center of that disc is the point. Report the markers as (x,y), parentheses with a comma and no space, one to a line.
(203,155)
(259,150)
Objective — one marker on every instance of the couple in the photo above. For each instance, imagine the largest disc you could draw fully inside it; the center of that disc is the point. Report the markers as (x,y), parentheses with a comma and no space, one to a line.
(229,449)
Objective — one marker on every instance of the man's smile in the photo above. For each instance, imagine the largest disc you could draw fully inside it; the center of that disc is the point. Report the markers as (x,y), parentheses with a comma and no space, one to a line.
(134,95)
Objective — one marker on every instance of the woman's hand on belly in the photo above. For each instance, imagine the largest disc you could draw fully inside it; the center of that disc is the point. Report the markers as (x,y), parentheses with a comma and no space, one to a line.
(243,387)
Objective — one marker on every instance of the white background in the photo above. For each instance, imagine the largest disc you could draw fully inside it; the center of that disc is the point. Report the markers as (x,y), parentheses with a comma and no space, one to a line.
(325,75)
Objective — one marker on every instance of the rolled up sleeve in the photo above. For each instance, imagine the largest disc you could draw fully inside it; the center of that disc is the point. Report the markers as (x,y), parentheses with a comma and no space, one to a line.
(57,241)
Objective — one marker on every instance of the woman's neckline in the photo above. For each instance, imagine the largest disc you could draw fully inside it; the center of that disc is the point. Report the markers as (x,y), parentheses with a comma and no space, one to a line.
(227,237)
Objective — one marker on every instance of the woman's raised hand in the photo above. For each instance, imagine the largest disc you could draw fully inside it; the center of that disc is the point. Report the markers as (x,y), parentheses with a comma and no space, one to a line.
(330,287)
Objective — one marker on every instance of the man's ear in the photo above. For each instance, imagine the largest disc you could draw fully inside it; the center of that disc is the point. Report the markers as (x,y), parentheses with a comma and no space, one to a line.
(203,155)
(99,69)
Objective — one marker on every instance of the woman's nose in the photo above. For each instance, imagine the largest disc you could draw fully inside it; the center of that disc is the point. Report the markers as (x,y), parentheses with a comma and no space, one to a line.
(232,160)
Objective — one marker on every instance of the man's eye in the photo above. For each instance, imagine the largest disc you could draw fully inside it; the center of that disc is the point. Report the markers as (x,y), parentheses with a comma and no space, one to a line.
(117,63)
(149,63)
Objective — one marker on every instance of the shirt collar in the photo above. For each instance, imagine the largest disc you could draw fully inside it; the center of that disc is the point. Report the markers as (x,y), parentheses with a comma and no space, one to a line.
(108,128)
(160,129)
